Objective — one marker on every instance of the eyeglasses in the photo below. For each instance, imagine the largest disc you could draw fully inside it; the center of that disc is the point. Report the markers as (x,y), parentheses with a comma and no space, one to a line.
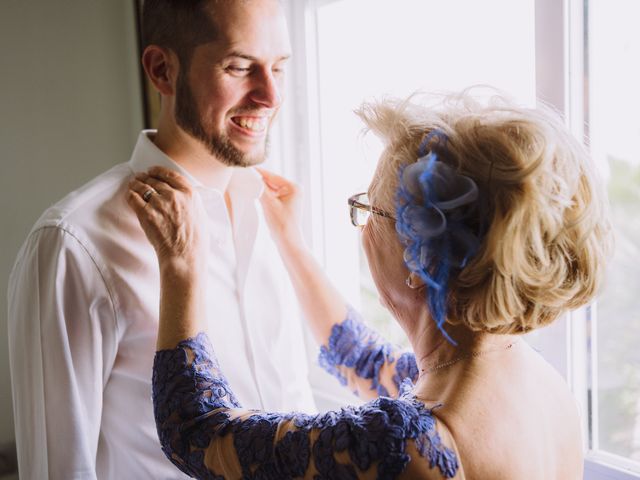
(360,210)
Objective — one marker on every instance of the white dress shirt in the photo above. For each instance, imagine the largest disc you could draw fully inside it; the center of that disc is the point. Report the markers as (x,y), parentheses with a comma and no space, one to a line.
(83,316)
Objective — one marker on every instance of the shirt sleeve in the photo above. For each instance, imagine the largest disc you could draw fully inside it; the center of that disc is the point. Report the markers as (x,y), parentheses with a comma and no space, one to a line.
(362,360)
(205,432)
(62,340)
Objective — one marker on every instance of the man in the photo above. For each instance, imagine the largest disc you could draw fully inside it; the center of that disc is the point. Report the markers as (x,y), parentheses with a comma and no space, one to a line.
(83,295)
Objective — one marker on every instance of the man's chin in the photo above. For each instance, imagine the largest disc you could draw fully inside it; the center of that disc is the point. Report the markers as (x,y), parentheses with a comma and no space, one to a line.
(250,155)
(254,157)
(234,155)
(249,161)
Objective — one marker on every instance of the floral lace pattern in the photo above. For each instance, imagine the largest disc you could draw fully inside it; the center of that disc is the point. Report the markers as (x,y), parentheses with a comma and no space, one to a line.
(406,368)
(354,347)
(196,412)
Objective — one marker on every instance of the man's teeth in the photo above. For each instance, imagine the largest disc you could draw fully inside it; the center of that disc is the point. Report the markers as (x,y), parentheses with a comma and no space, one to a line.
(253,124)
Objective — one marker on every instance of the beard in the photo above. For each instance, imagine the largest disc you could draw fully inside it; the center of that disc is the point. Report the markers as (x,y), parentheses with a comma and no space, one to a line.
(219,145)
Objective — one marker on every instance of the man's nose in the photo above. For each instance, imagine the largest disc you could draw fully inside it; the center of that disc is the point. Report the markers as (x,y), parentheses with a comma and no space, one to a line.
(267,90)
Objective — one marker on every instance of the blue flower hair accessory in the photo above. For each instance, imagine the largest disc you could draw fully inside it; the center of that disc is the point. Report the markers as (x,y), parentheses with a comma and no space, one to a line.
(434,204)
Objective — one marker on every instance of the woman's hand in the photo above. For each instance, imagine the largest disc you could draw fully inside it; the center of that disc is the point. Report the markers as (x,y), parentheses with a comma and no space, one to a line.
(171,217)
(282,205)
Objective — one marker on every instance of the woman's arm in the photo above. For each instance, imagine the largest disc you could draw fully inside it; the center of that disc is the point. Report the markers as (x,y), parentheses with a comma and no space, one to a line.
(173,221)
(351,351)
(206,434)
(202,427)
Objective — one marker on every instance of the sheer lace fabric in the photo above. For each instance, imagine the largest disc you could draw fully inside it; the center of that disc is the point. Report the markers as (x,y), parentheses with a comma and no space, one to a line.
(358,357)
(205,432)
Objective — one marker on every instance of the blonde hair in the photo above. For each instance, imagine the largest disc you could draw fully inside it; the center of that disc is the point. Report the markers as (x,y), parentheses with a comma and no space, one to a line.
(547,234)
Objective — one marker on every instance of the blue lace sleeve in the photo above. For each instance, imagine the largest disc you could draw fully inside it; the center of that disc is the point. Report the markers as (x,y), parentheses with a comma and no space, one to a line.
(358,357)
(206,434)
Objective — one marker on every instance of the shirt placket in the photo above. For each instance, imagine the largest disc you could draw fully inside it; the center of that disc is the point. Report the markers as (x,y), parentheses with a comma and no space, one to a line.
(231,242)
(244,235)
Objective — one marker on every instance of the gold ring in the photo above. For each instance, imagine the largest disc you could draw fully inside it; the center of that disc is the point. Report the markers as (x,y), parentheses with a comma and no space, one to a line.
(146,196)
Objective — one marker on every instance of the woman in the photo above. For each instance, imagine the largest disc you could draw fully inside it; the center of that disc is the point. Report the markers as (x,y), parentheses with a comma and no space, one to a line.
(483,223)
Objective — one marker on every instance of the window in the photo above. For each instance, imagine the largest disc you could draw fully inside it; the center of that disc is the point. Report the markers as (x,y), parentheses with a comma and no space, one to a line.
(613,76)
(365,49)
(579,55)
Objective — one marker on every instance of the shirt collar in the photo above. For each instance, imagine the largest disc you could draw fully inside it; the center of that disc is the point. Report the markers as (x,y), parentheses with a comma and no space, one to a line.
(245,183)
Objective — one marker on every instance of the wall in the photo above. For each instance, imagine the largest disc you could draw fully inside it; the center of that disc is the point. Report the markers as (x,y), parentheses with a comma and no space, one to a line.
(70,108)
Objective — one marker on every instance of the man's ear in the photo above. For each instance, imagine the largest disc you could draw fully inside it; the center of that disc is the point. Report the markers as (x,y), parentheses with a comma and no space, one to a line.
(161,66)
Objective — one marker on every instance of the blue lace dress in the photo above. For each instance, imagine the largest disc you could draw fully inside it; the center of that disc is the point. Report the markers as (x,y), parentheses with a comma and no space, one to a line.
(207,434)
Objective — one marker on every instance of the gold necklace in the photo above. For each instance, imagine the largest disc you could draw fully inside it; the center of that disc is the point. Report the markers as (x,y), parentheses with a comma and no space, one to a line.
(448,363)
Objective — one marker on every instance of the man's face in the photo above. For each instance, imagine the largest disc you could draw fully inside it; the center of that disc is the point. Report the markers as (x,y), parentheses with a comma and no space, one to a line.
(232,89)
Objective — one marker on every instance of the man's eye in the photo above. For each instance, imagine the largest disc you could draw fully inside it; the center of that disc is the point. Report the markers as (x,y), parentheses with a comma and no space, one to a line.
(235,69)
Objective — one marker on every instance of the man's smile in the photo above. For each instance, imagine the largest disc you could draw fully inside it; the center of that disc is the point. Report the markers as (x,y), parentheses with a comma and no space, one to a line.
(254,124)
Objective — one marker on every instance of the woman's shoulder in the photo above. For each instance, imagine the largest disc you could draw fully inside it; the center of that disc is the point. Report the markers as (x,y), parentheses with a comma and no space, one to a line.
(513,416)
(386,438)
(402,436)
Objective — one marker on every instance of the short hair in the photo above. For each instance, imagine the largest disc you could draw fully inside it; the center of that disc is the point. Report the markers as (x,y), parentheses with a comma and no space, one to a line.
(179,25)
(548,235)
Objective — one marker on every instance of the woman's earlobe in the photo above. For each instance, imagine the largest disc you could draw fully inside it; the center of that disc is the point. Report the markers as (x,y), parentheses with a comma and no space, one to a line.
(414,282)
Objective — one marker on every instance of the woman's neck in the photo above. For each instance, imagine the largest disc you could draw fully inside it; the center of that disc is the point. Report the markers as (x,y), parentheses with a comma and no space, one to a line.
(434,352)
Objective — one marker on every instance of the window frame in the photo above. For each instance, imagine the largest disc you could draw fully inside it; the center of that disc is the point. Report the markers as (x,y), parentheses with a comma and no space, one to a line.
(560,82)
(561,76)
